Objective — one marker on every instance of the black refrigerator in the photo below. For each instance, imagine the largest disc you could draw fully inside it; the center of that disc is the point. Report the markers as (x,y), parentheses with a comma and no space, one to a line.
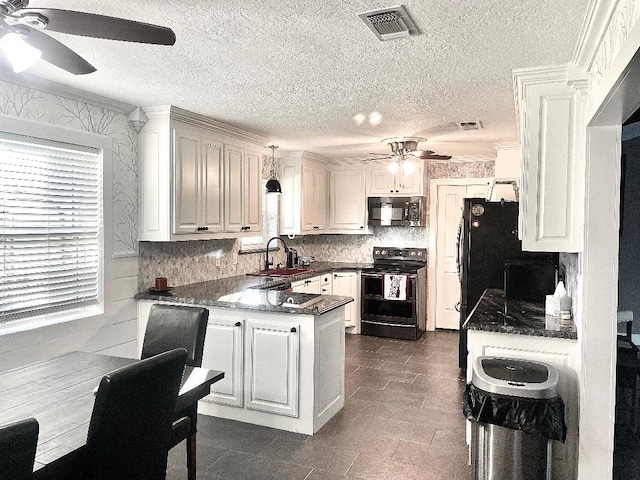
(487,240)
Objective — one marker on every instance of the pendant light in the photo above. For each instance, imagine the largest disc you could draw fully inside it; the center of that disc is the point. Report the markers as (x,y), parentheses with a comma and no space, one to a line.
(273,185)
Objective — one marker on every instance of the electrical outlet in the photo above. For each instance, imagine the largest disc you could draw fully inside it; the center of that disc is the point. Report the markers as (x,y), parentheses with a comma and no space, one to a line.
(218,261)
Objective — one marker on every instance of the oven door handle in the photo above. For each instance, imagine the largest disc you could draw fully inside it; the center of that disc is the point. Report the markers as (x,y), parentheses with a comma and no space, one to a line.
(381,274)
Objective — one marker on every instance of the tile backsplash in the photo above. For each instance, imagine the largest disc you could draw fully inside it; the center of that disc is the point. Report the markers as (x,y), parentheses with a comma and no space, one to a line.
(197,261)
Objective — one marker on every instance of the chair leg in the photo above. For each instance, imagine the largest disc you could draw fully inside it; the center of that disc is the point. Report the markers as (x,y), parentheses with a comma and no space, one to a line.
(191,457)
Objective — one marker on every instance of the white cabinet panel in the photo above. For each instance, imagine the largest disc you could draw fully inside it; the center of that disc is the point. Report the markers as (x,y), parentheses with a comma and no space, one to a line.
(303,203)
(551,106)
(182,175)
(385,184)
(233,195)
(330,357)
(310,285)
(187,172)
(347,197)
(272,367)
(212,192)
(347,284)
(223,350)
(314,199)
(252,197)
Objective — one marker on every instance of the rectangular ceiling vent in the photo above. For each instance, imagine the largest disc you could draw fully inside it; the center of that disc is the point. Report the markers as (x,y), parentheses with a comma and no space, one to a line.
(470,125)
(390,23)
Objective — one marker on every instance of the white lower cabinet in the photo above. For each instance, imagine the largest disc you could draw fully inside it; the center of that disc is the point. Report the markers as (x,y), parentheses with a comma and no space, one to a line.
(558,352)
(224,350)
(310,285)
(347,284)
(272,367)
(282,370)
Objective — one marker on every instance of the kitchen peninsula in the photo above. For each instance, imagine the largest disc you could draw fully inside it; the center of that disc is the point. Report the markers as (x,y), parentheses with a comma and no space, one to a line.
(282,352)
(500,327)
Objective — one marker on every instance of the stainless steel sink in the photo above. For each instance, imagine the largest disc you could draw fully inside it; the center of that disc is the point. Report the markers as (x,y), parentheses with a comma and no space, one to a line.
(280,272)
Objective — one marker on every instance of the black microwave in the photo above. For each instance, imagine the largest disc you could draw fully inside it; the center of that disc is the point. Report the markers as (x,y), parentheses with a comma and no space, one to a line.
(397,211)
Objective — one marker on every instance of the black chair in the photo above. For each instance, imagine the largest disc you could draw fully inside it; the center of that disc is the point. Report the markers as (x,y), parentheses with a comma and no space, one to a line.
(18,443)
(168,327)
(130,428)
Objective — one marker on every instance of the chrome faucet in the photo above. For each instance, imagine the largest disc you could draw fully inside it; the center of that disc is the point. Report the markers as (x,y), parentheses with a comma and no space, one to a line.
(267,263)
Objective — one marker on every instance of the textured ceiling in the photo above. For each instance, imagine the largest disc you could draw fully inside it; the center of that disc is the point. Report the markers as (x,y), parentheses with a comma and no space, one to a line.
(299,71)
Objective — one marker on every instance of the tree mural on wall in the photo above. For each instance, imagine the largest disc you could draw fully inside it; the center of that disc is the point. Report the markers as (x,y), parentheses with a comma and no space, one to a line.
(32,104)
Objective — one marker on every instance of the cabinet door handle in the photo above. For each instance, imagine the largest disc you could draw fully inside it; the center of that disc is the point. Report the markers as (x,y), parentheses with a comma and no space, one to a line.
(202,229)
(361,226)
(238,324)
(293,330)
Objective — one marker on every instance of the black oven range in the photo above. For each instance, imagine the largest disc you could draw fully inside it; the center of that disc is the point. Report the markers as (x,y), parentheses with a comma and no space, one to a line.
(393,298)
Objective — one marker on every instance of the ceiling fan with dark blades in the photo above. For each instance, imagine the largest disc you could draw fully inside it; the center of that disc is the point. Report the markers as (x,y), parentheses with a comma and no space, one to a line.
(402,149)
(21,25)
(403,146)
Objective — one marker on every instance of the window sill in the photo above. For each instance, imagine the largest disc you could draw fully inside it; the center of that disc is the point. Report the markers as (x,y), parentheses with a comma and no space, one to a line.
(34,323)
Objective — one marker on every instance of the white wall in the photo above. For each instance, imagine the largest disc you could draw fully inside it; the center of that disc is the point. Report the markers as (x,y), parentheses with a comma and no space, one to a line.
(115,331)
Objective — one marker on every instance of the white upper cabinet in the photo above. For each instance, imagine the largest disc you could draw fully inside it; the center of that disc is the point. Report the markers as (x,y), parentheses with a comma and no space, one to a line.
(199,179)
(347,201)
(551,106)
(384,183)
(314,198)
(303,202)
(243,189)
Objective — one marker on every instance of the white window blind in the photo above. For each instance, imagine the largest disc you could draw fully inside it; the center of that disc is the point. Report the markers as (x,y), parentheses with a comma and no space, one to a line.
(50,227)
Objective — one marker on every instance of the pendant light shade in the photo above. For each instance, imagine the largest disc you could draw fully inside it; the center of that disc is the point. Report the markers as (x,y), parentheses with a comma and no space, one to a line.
(273,185)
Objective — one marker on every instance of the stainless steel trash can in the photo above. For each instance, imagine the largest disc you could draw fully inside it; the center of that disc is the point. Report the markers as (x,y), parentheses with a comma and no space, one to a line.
(511,386)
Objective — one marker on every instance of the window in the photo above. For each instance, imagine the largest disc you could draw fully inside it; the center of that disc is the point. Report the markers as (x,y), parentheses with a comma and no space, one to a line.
(270,220)
(51,215)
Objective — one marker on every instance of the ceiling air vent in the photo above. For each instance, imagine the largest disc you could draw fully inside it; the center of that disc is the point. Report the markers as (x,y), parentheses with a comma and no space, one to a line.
(390,23)
(471,125)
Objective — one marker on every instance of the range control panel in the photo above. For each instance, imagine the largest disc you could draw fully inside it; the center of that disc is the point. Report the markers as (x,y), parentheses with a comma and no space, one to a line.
(395,253)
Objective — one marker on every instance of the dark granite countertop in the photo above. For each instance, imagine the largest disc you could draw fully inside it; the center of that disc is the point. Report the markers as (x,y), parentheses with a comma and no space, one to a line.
(258,292)
(494,313)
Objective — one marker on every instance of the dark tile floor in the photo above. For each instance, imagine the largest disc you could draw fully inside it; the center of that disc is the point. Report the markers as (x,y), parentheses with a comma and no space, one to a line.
(402,421)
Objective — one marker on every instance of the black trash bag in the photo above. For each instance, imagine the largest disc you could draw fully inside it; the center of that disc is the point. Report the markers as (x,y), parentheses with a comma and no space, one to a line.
(543,417)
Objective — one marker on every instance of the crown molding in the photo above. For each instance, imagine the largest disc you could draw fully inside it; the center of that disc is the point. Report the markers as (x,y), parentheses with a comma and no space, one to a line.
(58,89)
(191,118)
(594,25)
(305,155)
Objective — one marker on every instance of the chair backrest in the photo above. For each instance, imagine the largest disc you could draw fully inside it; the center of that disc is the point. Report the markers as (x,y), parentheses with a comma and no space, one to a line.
(176,326)
(130,428)
(18,443)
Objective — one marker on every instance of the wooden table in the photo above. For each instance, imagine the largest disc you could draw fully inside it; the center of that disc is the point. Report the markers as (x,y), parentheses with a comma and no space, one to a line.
(59,393)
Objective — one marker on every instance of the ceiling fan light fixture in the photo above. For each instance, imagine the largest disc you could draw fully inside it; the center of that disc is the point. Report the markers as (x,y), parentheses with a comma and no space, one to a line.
(408,167)
(20,54)
(273,185)
(393,168)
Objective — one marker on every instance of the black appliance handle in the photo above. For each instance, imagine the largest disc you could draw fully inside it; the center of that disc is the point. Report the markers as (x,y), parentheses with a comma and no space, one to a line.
(382,273)
(459,248)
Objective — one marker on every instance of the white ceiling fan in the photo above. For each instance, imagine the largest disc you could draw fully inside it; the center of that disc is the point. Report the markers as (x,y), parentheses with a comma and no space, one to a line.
(402,149)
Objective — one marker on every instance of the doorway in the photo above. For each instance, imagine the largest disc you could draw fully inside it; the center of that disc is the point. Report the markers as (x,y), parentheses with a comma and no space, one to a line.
(445,211)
